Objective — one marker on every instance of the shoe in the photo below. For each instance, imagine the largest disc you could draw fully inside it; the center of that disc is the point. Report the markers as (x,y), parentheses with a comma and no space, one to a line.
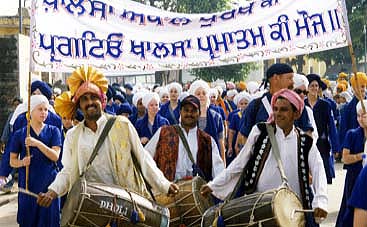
(4,187)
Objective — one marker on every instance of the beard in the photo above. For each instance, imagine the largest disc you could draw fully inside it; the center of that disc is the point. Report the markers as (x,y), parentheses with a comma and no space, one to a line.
(93,115)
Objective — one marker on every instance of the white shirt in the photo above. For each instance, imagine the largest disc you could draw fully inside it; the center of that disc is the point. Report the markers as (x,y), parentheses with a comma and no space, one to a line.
(270,176)
(184,164)
(78,147)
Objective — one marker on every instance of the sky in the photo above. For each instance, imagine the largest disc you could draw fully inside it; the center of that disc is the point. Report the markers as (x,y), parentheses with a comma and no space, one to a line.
(10,7)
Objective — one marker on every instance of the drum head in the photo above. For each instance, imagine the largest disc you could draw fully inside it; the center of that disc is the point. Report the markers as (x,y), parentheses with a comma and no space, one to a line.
(72,202)
(284,203)
(201,202)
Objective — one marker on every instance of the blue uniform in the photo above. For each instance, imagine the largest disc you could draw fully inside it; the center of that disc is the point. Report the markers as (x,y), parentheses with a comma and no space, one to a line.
(214,125)
(348,119)
(358,198)
(42,172)
(20,122)
(143,129)
(165,111)
(219,110)
(230,106)
(234,119)
(326,130)
(256,112)
(354,142)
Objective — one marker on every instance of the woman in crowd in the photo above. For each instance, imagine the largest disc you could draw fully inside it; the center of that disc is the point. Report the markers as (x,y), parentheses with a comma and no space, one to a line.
(44,143)
(352,158)
(325,124)
(209,121)
(171,109)
(152,121)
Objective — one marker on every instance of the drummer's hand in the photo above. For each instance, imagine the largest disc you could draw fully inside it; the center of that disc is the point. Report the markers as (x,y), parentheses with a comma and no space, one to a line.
(173,189)
(45,199)
(319,215)
(205,190)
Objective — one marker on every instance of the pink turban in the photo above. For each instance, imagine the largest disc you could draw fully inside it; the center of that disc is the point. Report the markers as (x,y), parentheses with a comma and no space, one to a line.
(289,95)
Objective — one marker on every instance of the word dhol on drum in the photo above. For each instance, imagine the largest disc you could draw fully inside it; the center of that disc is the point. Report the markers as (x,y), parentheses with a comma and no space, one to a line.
(100,205)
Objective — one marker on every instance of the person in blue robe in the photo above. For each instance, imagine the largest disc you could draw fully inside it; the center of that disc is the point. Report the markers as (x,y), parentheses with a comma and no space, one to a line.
(326,129)
(37,87)
(138,108)
(348,118)
(171,109)
(44,143)
(356,214)
(209,121)
(279,76)
(234,118)
(152,120)
(352,158)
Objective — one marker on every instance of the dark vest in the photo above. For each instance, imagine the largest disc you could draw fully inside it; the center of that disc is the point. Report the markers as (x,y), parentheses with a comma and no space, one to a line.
(255,165)
(166,154)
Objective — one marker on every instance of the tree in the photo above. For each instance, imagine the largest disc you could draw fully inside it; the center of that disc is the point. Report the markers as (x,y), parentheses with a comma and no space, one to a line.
(234,73)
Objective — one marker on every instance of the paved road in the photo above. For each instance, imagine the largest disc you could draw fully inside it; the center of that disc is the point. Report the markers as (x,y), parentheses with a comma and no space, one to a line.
(335,191)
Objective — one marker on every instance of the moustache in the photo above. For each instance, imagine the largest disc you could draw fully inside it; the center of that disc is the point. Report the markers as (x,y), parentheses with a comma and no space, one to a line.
(92,105)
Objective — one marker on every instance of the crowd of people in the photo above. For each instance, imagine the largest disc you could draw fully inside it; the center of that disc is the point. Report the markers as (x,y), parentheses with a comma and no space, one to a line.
(218,131)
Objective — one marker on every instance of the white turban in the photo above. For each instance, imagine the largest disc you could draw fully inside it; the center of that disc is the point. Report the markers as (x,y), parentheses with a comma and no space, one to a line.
(232,93)
(346,95)
(136,97)
(240,96)
(163,91)
(359,105)
(37,100)
(213,92)
(220,89)
(183,95)
(148,97)
(199,84)
(175,85)
(300,80)
(252,87)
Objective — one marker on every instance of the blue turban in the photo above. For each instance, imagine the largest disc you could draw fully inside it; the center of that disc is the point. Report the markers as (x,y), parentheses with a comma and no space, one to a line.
(277,68)
(43,87)
(124,108)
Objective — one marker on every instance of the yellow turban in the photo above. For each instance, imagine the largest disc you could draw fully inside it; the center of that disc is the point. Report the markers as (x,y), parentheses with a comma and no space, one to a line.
(343,75)
(361,78)
(326,81)
(83,80)
(340,87)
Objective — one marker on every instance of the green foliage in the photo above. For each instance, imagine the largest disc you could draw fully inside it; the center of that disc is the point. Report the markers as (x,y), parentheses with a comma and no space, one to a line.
(233,73)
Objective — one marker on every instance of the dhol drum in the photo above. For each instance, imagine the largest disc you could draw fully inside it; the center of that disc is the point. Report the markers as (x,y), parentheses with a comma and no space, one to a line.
(188,205)
(271,208)
(95,204)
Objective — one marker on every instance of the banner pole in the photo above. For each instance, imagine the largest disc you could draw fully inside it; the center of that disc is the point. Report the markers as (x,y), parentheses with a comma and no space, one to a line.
(353,57)
(28,128)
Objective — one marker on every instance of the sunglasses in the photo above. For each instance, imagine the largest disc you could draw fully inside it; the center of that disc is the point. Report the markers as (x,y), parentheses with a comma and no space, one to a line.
(299,91)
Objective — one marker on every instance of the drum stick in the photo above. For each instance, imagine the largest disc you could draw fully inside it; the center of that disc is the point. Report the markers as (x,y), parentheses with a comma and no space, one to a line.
(27,192)
(300,210)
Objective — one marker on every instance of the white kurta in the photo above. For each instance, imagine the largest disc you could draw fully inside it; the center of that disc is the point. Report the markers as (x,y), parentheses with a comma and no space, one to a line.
(184,164)
(270,178)
(113,163)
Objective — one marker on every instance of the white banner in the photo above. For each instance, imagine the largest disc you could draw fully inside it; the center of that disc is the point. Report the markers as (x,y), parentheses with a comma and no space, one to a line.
(123,36)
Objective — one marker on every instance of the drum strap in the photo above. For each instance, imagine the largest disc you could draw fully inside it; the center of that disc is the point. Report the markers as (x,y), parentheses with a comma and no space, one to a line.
(137,165)
(275,149)
(196,168)
(100,141)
